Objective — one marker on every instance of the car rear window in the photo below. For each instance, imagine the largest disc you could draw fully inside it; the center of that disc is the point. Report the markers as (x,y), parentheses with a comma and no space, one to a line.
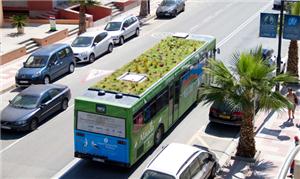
(150,174)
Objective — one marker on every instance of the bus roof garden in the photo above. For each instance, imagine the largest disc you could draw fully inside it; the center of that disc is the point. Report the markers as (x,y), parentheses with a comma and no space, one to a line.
(137,76)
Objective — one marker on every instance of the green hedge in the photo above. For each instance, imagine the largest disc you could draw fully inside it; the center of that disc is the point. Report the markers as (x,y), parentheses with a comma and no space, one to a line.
(155,63)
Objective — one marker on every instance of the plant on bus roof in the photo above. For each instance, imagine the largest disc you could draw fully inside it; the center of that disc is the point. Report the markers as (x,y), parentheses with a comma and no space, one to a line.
(154,63)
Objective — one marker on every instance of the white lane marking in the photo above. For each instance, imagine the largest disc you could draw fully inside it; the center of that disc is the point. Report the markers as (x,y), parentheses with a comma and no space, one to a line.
(10,145)
(17,141)
(66,168)
(243,25)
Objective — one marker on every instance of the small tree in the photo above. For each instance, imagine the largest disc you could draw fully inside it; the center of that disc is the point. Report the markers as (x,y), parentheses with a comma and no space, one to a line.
(247,82)
(19,21)
(82,10)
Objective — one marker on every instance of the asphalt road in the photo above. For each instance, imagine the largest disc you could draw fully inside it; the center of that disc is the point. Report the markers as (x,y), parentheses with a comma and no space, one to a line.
(48,151)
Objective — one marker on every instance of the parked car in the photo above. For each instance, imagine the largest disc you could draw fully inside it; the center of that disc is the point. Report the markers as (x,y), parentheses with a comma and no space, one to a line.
(177,161)
(90,45)
(170,8)
(276,4)
(123,28)
(46,64)
(33,105)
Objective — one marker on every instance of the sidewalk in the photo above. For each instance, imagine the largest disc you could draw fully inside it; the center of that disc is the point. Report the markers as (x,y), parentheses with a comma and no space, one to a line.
(8,70)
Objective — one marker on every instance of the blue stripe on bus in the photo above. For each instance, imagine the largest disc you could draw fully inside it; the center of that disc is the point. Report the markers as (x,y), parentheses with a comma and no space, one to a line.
(111,148)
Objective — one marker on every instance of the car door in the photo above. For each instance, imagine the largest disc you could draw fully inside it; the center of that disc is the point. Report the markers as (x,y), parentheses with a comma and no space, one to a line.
(104,42)
(45,105)
(53,66)
(126,29)
(62,62)
(205,165)
(56,99)
(97,45)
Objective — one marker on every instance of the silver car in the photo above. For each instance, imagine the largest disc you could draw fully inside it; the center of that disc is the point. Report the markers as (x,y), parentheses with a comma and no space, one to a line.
(90,45)
(123,28)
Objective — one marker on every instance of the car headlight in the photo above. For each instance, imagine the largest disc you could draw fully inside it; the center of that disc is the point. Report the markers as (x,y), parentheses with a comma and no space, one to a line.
(21,122)
(37,74)
(83,54)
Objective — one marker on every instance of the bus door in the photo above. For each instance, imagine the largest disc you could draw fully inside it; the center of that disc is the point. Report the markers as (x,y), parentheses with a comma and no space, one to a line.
(174,91)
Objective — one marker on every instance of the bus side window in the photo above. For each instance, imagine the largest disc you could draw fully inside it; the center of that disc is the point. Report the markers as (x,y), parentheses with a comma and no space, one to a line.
(138,122)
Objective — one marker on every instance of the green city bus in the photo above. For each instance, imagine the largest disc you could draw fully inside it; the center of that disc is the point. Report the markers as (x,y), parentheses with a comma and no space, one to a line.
(122,116)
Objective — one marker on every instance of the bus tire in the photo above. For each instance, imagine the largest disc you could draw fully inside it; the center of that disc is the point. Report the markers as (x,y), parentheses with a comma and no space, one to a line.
(158,135)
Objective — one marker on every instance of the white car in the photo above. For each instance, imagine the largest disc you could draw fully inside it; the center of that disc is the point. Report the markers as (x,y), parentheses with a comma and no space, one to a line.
(177,161)
(123,28)
(90,45)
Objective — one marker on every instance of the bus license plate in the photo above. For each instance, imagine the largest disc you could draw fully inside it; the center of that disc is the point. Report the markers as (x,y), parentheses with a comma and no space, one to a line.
(224,116)
(98,160)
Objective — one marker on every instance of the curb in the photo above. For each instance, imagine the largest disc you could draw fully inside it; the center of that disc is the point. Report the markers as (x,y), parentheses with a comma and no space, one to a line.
(145,19)
(2,91)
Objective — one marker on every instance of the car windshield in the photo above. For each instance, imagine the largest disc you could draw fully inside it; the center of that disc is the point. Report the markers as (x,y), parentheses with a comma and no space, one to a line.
(150,174)
(24,101)
(113,26)
(168,2)
(36,62)
(82,42)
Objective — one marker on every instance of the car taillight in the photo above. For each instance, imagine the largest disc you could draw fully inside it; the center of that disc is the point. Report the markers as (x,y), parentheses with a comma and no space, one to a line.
(237,114)
(213,111)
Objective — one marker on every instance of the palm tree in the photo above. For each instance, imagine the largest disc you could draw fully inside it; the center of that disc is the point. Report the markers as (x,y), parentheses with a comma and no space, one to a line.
(19,21)
(247,81)
(292,63)
(82,10)
(144,8)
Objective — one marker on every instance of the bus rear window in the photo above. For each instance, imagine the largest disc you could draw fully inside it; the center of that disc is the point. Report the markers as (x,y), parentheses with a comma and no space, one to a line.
(101,124)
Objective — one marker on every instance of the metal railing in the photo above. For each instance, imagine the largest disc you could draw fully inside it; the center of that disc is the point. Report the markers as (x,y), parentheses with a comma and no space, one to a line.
(285,168)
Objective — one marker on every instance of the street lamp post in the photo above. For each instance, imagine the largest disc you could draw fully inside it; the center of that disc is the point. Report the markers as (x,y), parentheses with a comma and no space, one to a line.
(278,62)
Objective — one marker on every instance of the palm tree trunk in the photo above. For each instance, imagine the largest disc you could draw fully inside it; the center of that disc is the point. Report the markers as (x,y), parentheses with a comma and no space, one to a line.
(144,8)
(82,19)
(292,64)
(246,146)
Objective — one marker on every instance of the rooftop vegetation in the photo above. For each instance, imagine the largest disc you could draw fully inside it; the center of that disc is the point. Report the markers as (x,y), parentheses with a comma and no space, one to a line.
(154,63)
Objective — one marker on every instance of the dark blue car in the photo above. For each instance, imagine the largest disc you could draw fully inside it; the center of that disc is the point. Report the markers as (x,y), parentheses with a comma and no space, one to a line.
(33,105)
(46,64)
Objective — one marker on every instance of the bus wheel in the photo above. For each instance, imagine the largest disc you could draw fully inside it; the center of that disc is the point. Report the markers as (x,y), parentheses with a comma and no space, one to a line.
(158,135)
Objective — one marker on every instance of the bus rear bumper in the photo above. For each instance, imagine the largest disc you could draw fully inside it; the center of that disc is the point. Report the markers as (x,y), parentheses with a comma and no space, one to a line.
(100,159)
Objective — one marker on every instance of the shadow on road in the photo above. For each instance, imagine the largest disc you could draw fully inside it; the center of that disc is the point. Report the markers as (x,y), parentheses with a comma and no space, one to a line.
(221,130)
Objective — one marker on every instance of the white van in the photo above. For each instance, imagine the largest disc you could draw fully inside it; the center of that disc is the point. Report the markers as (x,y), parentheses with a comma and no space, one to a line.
(180,161)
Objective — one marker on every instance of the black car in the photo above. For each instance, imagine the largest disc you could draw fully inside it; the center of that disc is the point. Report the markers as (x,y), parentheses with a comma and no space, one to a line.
(170,8)
(33,105)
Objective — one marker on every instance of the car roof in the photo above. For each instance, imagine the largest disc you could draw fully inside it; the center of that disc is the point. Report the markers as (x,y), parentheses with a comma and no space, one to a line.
(92,33)
(172,158)
(38,90)
(122,18)
(50,49)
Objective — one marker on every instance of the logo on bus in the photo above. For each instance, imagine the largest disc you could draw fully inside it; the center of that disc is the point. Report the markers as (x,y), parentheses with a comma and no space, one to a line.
(100,108)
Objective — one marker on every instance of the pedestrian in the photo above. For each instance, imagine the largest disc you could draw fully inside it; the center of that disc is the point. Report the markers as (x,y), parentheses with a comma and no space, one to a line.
(292,168)
(292,97)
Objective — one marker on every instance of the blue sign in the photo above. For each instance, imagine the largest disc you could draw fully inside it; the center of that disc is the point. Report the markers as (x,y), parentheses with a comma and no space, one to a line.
(268,25)
(291,28)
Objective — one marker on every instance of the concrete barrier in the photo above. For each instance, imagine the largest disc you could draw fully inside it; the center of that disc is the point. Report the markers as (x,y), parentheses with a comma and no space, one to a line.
(126,5)
(56,36)
(13,54)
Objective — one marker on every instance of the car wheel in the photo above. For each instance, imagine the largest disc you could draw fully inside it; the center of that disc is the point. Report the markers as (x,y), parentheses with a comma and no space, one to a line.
(121,40)
(213,172)
(110,48)
(64,104)
(137,32)
(33,124)
(71,68)
(46,80)
(175,13)
(92,58)
(158,135)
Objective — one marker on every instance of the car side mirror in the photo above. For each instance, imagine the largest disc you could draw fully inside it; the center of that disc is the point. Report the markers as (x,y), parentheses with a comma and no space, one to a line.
(24,63)
(123,28)
(9,101)
(95,43)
